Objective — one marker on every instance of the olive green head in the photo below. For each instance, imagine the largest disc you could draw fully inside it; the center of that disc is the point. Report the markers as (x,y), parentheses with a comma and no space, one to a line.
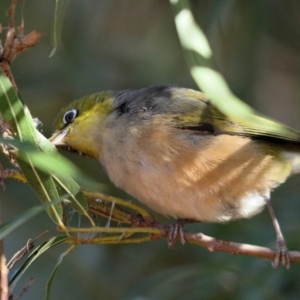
(78,125)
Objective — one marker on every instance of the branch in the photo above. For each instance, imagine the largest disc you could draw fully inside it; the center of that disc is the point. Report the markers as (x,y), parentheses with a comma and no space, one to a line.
(112,209)
(153,230)
(15,43)
(213,244)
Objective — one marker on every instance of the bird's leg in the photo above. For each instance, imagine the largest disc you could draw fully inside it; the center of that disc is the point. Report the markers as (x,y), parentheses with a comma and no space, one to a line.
(176,230)
(282,254)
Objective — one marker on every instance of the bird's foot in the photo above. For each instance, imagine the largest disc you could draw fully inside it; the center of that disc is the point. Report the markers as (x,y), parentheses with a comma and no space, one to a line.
(176,231)
(282,255)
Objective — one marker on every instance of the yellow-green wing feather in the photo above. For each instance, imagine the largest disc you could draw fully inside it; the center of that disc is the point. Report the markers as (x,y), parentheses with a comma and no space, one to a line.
(208,119)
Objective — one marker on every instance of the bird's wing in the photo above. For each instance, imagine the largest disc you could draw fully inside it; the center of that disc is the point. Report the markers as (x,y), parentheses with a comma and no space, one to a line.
(206,118)
(193,110)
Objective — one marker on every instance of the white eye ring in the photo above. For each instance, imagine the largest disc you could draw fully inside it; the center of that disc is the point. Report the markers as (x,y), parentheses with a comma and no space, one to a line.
(70,116)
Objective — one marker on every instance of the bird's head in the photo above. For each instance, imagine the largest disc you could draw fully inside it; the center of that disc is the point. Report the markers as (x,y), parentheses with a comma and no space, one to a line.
(78,126)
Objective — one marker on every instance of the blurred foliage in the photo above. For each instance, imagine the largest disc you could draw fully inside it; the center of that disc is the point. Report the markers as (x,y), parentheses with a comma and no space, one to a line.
(110,44)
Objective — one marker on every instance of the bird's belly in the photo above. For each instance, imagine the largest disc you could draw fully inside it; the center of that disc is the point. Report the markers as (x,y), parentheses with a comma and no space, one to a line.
(201,204)
(202,183)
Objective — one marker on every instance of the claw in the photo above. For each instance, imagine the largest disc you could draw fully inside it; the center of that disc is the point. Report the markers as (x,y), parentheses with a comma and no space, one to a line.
(282,255)
(176,230)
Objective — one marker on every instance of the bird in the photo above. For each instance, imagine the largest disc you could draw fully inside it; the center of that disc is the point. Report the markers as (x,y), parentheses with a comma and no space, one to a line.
(173,150)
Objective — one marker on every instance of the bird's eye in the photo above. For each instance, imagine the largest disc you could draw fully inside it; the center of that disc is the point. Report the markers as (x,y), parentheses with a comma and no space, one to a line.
(70,116)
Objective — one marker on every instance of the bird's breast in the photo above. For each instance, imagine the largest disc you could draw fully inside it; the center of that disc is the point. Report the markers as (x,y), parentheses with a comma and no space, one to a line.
(205,178)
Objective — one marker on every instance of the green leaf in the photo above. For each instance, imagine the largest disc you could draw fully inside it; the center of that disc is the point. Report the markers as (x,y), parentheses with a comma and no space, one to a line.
(60,11)
(63,181)
(33,256)
(14,111)
(49,161)
(203,70)
(40,179)
(51,278)
(200,59)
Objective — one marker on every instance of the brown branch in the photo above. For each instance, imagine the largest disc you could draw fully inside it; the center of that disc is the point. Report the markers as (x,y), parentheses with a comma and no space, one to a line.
(163,231)
(6,131)
(3,275)
(213,244)
(15,43)
(99,205)
(216,245)
(152,230)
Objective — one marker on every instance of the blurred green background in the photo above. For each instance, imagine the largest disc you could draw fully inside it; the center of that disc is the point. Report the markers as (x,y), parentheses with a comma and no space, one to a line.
(108,44)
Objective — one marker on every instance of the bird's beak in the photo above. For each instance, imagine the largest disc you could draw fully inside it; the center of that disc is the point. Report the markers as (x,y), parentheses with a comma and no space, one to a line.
(57,138)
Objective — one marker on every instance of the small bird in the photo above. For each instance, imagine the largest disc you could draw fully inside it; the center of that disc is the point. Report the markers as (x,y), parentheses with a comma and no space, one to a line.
(177,153)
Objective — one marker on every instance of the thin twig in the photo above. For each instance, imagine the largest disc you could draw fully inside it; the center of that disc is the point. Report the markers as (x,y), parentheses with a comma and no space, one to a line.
(25,289)
(24,250)
(213,244)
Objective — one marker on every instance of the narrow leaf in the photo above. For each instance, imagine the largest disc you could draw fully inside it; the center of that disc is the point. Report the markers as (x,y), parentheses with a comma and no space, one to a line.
(51,278)
(33,256)
(46,187)
(60,11)
(203,70)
